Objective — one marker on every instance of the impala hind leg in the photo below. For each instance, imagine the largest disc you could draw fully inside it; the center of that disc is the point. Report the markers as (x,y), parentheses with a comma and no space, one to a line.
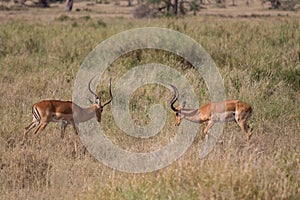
(40,128)
(28,128)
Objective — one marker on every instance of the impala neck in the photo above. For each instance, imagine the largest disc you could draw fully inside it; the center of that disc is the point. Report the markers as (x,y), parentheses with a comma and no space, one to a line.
(86,113)
(191,114)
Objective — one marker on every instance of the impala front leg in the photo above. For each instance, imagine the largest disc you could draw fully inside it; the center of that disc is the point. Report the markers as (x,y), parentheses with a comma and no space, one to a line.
(64,124)
(75,127)
(245,128)
(249,135)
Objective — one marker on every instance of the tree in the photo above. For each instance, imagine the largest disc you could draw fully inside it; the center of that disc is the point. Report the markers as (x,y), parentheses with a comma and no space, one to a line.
(69,5)
(275,4)
(194,7)
(175,6)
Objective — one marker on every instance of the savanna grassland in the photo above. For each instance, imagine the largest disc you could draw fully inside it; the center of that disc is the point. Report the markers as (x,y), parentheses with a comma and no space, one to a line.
(258,58)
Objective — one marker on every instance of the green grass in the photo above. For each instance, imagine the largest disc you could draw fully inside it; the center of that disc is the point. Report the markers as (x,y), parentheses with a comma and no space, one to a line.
(258,60)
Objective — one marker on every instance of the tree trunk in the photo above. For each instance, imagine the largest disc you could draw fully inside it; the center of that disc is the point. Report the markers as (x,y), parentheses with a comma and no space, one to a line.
(43,3)
(176,7)
(69,5)
(169,4)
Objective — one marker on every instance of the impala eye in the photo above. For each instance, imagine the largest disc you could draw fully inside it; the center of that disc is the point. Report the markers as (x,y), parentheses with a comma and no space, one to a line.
(177,114)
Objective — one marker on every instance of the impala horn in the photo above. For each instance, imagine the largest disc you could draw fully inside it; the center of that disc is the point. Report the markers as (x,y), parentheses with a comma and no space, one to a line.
(111,97)
(91,89)
(175,98)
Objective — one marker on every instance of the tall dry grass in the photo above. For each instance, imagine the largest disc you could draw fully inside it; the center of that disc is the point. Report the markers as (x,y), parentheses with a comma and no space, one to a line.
(259,60)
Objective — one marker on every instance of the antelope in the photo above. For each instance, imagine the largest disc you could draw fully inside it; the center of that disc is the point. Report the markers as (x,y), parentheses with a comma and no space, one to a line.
(67,112)
(211,113)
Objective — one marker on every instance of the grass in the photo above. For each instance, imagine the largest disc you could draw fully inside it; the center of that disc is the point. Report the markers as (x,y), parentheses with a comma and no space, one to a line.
(257,58)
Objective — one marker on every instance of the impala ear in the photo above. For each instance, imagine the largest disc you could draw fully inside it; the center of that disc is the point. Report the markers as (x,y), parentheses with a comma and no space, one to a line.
(183,104)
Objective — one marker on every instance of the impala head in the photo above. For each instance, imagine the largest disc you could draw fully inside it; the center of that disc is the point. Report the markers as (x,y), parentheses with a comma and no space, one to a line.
(178,115)
(97,103)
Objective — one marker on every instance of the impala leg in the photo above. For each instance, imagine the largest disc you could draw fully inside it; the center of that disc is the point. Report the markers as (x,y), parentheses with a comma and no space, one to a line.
(245,128)
(249,132)
(208,126)
(64,124)
(76,131)
(28,128)
(75,148)
(40,128)
(75,127)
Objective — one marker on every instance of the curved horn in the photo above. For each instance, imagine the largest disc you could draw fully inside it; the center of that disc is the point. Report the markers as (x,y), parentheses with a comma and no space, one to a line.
(111,97)
(91,89)
(175,98)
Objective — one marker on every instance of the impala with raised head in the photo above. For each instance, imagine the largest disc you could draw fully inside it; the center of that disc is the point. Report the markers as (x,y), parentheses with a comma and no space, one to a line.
(211,113)
(65,112)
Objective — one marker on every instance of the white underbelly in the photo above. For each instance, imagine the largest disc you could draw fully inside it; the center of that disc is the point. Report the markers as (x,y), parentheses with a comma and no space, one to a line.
(223,117)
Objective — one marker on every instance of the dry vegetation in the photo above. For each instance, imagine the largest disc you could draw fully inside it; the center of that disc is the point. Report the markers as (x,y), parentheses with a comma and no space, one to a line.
(259,60)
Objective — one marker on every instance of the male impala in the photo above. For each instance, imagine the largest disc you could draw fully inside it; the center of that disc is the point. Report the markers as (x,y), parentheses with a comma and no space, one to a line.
(65,111)
(230,110)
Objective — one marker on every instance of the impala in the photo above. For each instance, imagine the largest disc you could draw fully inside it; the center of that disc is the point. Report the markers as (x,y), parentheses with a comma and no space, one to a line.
(211,113)
(65,112)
